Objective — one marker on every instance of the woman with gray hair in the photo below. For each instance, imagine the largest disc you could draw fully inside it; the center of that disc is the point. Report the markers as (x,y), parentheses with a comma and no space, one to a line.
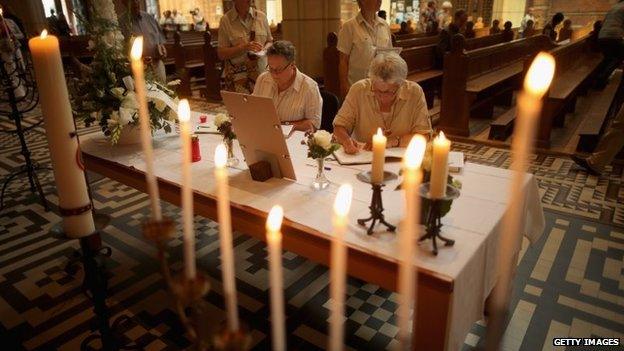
(296,96)
(384,100)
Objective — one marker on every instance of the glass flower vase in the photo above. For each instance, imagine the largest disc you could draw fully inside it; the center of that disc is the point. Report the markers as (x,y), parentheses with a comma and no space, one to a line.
(232,161)
(320,181)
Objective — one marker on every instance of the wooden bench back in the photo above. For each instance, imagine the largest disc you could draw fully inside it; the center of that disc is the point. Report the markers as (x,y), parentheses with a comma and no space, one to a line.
(188,46)
(419,58)
(413,42)
(410,36)
(568,55)
(481,42)
(486,59)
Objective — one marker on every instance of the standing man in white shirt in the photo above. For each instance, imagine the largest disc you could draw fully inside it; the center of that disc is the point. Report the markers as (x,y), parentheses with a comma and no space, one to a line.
(358,41)
(296,96)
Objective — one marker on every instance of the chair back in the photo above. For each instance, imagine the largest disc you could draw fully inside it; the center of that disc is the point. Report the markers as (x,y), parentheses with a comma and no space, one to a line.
(330,108)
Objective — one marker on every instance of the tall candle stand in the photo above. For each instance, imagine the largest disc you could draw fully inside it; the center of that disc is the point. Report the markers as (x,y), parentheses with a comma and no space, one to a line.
(16,75)
(189,295)
(376,206)
(433,217)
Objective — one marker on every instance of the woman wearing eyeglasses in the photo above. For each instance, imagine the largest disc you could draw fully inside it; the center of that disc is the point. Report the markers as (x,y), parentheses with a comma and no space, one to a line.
(385,100)
(296,96)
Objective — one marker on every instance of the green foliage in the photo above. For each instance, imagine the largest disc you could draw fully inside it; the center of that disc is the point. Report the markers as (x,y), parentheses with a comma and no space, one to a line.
(226,130)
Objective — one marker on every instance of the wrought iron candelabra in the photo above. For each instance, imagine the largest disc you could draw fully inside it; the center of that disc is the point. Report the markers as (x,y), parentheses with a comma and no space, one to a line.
(20,94)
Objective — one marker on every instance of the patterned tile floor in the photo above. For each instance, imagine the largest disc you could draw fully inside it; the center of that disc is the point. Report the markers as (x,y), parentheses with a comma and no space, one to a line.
(570,283)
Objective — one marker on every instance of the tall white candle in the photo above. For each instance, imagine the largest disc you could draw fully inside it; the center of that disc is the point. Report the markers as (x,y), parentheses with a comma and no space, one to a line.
(59,125)
(408,234)
(146,131)
(379,154)
(225,232)
(439,166)
(536,84)
(338,267)
(274,242)
(184,115)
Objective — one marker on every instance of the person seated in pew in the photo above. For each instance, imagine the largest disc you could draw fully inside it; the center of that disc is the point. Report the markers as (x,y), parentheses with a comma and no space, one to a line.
(593,37)
(386,100)
(383,15)
(358,40)
(469,31)
(529,30)
(549,28)
(429,19)
(525,20)
(446,35)
(296,96)
(611,43)
(479,24)
(445,17)
(403,29)
(508,34)
(410,27)
(610,144)
(565,33)
(495,29)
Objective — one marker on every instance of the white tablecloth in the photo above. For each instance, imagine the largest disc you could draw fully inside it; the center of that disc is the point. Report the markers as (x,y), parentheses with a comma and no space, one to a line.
(474,220)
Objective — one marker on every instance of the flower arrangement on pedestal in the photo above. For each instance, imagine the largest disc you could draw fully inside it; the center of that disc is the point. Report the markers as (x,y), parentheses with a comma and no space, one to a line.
(320,146)
(103,92)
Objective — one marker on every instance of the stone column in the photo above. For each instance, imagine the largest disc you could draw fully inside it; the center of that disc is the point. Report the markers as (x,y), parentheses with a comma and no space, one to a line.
(306,24)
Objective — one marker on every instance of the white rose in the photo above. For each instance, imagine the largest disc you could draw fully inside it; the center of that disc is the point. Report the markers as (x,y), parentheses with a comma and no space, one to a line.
(160,105)
(126,115)
(323,138)
(118,92)
(130,101)
(113,120)
(172,115)
(220,119)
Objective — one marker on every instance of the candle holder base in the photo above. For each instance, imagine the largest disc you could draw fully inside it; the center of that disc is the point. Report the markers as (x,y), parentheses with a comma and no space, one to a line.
(226,340)
(433,218)
(376,206)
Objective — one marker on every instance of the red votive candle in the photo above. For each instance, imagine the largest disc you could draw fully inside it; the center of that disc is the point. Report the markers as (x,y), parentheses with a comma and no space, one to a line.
(203,118)
(195,153)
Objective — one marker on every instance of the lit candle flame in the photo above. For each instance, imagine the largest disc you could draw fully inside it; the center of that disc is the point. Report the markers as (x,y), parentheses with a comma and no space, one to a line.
(220,156)
(274,222)
(379,132)
(184,111)
(540,74)
(342,204)
(137,48)
(1,11)
(415,152)
(44,34)
(441,136)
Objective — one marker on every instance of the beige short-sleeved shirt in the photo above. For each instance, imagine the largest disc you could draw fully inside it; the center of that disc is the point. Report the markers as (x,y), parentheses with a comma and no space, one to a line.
(360,40)
(234,30)
(361,116)
(302,100)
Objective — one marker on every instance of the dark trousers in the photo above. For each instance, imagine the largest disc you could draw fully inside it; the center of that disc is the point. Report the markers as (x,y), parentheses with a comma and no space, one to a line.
(613,52)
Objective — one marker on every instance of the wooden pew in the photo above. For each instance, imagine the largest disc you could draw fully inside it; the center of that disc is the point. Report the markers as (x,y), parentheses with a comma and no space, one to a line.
(475,80)
(189,61)
(413,42)
(481,42)
(421,69)
(213,69)
(575,64)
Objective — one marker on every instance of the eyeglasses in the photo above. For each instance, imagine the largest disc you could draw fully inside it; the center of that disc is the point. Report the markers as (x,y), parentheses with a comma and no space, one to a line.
(386,93)
(278,70)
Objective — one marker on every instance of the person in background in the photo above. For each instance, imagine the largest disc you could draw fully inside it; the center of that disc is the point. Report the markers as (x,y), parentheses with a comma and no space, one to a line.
(593,37)
(386,100)
(608,147)
(469,31)
(383,14)
(358,40)
(446,35)
(549,28)
(296,96)
(429,19)
(63,27)
(243,35)
(166,21)
(445,17)
(529,30)
(199,24)
(403,29)
(565,33)
(611,43)
(508,34)
(495,28)
(479,24)
(178,18)
(410,26)
(153,39)
(528,17)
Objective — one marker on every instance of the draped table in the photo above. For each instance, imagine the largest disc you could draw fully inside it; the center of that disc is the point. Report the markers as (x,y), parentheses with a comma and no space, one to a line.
(452,287)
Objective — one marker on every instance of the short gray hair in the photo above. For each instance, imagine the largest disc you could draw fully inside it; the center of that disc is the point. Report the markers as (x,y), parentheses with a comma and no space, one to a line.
(283,48)
(389,68)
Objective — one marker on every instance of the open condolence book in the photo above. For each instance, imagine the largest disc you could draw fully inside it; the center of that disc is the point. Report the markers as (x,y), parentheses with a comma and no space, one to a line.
(456,159)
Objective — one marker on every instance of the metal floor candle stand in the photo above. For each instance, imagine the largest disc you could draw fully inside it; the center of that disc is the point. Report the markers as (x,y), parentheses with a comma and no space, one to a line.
(376,206)
(433,218)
